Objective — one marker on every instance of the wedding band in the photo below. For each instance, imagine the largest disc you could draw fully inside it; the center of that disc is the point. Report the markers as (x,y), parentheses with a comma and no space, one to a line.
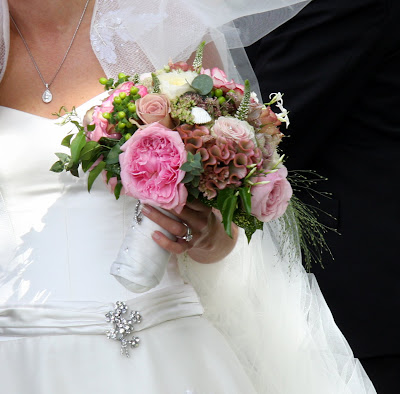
(188,236)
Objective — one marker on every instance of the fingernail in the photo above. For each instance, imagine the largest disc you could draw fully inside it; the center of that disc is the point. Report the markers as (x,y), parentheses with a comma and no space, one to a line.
(156,236)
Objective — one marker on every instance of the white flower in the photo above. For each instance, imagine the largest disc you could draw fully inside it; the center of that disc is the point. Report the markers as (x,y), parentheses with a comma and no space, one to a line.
(200,115)
(277,99)
(175,83)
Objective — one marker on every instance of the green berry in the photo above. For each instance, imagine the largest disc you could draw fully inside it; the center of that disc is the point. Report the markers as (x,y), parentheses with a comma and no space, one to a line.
(121,125)
(117,100)
(218,93)
(134,90)
(221,99)
(103,81)
(127,136)
(121,114)
(106,115)
(121,75)
(131,107)
(122,95)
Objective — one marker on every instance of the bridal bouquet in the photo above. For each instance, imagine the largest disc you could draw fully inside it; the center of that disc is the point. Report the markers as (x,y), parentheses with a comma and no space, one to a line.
(185,132)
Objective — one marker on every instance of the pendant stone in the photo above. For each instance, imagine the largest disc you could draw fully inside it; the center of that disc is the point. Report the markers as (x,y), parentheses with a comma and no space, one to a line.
(47,96)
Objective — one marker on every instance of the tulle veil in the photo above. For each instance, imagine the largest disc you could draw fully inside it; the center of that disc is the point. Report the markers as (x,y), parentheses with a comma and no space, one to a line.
(269,309)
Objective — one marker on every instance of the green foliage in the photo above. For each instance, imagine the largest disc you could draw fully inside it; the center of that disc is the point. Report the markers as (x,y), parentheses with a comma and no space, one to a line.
(156,83)
(202,84)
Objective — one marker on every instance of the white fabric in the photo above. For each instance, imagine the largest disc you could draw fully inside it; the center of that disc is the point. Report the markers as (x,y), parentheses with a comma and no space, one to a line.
(88,318)
(57,242)
(138,268)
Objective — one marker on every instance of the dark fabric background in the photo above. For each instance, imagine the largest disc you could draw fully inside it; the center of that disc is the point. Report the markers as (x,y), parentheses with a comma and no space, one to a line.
(338,64)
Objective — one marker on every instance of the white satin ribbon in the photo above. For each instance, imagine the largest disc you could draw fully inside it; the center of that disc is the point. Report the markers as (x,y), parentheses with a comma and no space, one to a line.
(88,318)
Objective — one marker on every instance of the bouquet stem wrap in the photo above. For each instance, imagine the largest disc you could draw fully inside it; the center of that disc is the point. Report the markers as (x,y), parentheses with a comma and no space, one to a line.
(141,263)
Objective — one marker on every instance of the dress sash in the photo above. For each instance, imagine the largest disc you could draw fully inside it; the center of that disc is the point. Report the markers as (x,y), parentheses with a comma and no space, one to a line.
(88,318)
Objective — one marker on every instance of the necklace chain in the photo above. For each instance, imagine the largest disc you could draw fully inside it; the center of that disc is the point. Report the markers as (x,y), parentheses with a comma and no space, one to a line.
(47,96)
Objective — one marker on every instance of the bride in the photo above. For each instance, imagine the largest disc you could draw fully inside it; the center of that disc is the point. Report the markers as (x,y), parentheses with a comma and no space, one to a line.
(253,321)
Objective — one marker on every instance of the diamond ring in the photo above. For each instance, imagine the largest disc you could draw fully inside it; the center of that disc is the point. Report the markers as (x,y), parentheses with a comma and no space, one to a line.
(188,236)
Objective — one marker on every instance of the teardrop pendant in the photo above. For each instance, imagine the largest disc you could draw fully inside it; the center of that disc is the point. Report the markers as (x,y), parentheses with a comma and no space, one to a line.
(47,95)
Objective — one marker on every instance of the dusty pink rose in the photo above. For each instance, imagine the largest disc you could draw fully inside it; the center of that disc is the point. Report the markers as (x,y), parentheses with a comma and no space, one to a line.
(233,128)
(269,121)
(180,66)
(102,127)
(154,108)
(221,81)
(269,201)
(150,165)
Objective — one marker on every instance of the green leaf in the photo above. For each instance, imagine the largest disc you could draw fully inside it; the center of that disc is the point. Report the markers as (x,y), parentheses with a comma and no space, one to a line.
(90,150)
(67,140)
(202,84)
(95,173)
(58,166)
(90,127)
(227,212)
(245,196)
(113,155)
(223,195)
(186,167)
(76,146)
(117,190)
(64,158)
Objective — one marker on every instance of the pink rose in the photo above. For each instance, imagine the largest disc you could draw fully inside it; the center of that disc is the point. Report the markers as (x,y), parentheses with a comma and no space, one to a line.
(221,81)
(269,201)
(269,121)
(233,128)
(180,66)
(102,127)
(154,108)
(107,105)
(150,167)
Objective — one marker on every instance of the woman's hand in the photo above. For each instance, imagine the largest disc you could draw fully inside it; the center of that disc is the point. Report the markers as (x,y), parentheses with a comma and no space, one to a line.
(209,243)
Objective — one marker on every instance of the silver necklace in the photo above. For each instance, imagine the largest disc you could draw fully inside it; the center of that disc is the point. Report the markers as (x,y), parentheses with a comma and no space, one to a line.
(47,96)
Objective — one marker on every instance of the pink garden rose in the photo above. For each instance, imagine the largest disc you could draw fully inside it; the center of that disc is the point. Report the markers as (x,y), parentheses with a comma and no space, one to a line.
(233,128)
(221,81)
(154,108)
(269,201)
(150,165)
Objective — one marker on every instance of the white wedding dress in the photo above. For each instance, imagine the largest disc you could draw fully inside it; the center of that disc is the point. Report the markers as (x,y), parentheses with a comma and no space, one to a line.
(252,323)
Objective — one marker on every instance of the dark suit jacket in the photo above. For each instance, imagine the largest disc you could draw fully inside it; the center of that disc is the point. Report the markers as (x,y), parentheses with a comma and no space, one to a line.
(338,63)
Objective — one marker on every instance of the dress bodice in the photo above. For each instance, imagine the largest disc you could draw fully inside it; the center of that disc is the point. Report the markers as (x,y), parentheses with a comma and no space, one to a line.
(57,241)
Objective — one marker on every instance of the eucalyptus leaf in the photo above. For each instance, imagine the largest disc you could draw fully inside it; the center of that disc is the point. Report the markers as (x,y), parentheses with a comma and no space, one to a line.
(95,173)
(202,84)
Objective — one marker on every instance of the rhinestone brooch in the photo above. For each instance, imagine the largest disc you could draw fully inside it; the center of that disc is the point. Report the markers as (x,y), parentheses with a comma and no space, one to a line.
(123,327)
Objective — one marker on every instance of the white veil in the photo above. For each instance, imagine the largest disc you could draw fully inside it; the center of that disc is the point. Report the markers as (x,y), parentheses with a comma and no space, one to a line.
(271,311)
